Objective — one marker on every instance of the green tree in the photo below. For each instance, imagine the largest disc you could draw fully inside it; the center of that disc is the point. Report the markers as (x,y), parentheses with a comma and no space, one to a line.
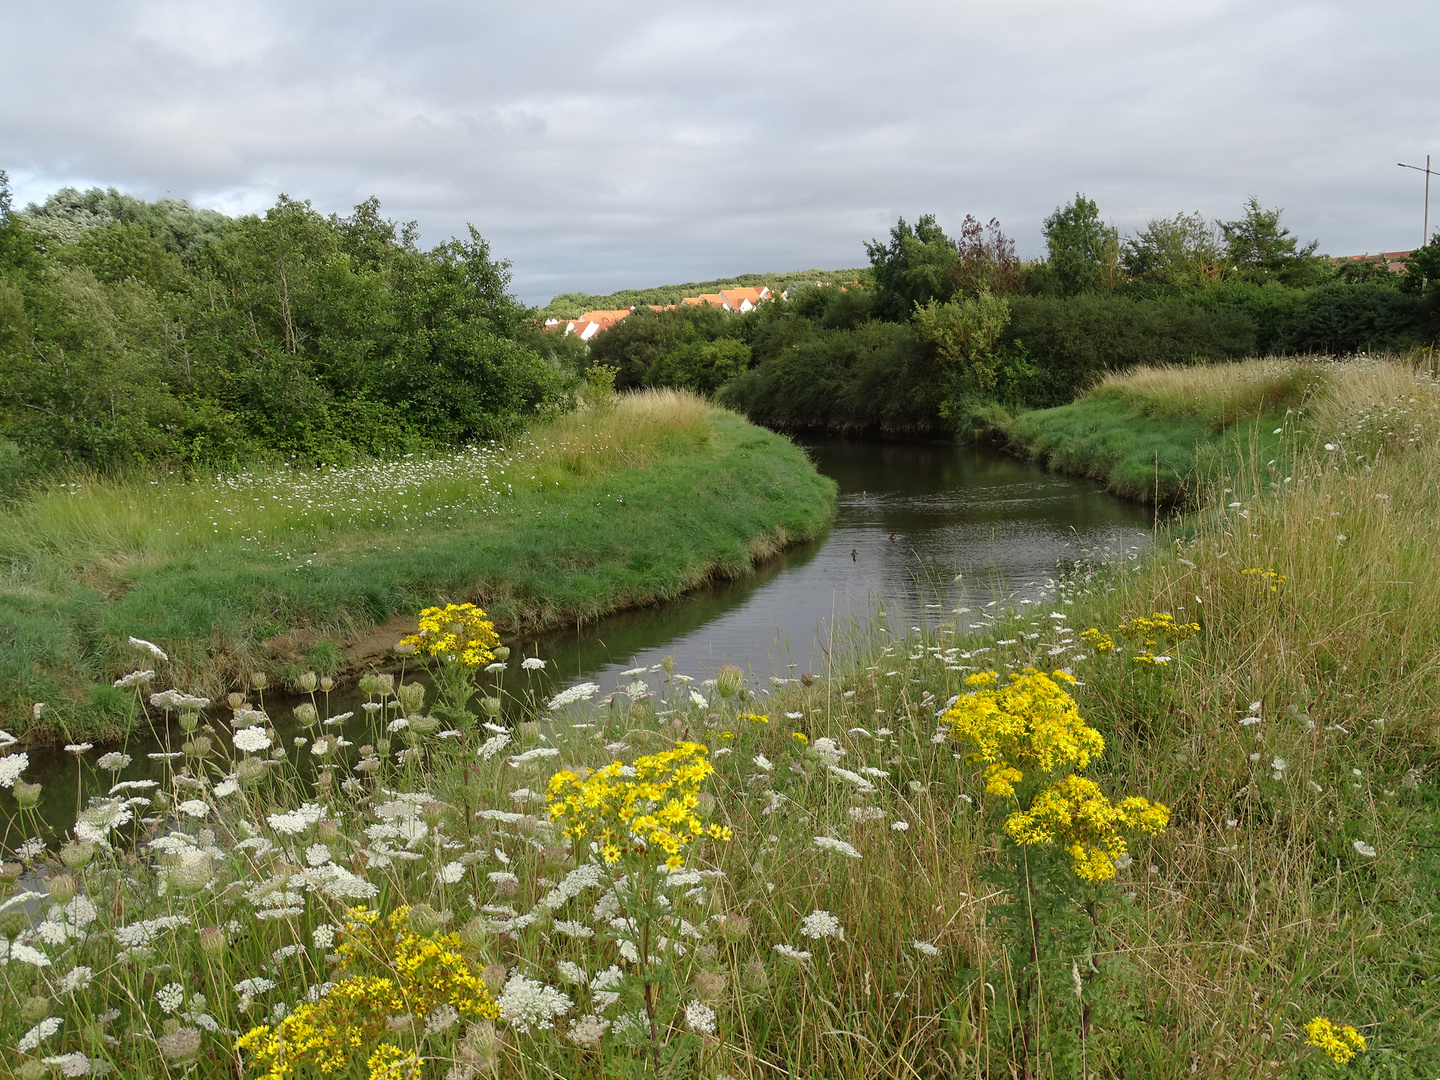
(964,334)
(1084,252)
(1260,249)
(917,266)
(1183,252)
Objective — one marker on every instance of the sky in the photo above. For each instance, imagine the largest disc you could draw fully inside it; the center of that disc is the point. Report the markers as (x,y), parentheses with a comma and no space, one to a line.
(633,144)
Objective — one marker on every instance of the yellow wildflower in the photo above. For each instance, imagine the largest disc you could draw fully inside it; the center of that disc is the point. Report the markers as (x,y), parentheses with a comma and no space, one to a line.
(1032,723)
(1340,1043)
(1076,815)
(457,632)
(646,806)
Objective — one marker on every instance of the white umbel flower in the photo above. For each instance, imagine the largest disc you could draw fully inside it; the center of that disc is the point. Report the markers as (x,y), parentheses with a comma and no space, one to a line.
(821,924)
(526,1003)
(700,1018)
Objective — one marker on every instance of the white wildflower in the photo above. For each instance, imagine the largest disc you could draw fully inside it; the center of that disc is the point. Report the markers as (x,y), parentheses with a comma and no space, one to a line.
(525,1003)
(170,997)
(11,766)
(71,1064)
(587,1031)
(76,980)
(195,808)
(791,953)
(532,663)
(493,745)
(149,647)
(294,822)
(763,763)
(924,948)
(581,692)
(317,855)
(899,826)
(828,751)
(1364,849)
(452,872)
(252,740)
(698,700)
(839,847)
(38,1034)
(821,924)
(534,755)
(114,761)
(572,972)
(79,748)
(700,1018)
(135,678)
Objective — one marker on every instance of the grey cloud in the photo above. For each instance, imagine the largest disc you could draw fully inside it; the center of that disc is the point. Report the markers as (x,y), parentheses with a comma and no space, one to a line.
(660,143)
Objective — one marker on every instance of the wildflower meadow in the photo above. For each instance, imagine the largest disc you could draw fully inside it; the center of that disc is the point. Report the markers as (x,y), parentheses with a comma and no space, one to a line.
(1172,818)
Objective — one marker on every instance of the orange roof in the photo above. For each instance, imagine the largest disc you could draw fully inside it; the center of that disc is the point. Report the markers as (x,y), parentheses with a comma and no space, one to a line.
(1393,260)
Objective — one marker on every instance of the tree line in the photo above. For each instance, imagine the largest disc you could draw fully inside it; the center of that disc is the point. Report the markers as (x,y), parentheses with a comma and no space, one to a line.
(942,327)
(134,333)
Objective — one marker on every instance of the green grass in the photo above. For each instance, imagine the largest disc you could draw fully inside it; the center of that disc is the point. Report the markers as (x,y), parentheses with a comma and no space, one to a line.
(1277,893)
(1150,433)
(587,516)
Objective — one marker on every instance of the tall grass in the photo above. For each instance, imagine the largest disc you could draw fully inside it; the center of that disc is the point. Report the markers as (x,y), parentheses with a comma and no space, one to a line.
(89,519)
(1294,739)
(1218,396)
(610,507)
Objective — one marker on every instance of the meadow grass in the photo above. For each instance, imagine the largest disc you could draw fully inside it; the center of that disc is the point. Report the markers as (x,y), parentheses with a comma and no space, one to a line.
(606,508)
(849,916)
(1149,433)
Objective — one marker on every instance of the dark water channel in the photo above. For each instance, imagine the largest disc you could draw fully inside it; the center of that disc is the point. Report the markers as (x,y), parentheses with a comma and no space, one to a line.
(924,531)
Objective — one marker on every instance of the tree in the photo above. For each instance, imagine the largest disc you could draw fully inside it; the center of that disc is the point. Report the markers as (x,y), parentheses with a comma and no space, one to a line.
(1259,249)
(964,334)
(1084,252)
(987,259)
(1183,252)
(916,267)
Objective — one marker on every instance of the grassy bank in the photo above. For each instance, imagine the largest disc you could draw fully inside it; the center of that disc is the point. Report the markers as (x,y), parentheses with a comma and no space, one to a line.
(1153,433)
(594,512)
(857,909)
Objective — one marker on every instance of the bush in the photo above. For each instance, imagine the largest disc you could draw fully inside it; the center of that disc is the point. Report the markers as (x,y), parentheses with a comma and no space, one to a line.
(1071,342)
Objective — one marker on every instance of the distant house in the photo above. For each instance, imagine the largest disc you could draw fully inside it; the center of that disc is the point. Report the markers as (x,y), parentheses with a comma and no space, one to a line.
(586,326)
(1394,261)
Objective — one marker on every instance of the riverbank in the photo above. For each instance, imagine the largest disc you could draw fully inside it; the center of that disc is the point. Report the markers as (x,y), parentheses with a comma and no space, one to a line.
(851,899)
(591,513)
(1153,434)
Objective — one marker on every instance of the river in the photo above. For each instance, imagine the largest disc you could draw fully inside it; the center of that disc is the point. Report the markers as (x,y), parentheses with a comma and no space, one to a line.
(923,532)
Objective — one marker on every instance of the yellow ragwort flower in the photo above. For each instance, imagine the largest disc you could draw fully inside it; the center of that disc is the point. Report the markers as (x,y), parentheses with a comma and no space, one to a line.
(1076,815)
(1340,1043)
(645,807)
(1030,723)
(457,632)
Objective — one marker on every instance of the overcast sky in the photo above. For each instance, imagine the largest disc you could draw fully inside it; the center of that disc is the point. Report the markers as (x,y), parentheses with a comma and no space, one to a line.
(633,143)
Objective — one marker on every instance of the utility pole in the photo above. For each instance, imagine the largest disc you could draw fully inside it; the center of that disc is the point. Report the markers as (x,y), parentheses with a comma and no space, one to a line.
(1426,238)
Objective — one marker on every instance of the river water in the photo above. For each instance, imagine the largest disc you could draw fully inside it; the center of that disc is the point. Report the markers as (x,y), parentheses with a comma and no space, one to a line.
(924,532)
